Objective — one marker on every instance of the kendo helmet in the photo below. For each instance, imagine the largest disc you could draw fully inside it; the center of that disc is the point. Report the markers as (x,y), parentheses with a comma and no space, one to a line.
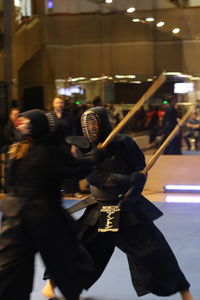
(42,124)
(95,124)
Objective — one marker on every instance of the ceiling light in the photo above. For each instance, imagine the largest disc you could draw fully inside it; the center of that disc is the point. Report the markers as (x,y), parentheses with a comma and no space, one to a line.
(195,78)
(149,19)
(160,24)
(77,79)
(49,4)
(108,1)
(136,81)
(184,76)
(125,76)
(60,80)
(136,20)
(130,9)
(98,78)
(176,30)
(95,78)
(172,73)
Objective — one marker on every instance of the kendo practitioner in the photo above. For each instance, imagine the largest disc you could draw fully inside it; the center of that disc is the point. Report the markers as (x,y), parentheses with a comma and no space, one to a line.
(33,219)
(153,266)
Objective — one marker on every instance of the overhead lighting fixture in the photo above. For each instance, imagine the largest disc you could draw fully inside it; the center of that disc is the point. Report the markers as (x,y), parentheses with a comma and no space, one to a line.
(50,4)
(149,19)
(86,81)
(176,30)
(130,10)
(125,76)
(172,73)
(181,188)
(94,78)
(136,20)
(108,1)
(178,74)
(98,78)
(136,81)
(130,76)
(160,24)
(185,75)
(60,80)
(119,76)
(149,79)
(77,79)
(195,78)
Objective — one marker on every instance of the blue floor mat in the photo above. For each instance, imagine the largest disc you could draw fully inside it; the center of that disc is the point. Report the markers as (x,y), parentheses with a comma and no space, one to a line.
(181,226)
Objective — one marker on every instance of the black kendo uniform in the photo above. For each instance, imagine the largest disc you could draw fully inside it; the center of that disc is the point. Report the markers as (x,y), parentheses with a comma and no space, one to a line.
(152,264)
(33,219)
(169,123)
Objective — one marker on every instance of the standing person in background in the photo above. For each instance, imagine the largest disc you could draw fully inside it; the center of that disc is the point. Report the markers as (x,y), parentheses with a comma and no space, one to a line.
(2,138)
(193,131)
(170,121)
(77,118)
(65,117)
(2,156)
(71,186)
(97,101)
(152,124)
(10,133)
(11,136)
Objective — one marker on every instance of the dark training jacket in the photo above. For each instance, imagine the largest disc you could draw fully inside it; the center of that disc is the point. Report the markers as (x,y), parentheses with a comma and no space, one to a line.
(33,220)
(123,157)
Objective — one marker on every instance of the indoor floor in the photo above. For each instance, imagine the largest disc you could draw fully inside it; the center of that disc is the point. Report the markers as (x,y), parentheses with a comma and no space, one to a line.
(180,225)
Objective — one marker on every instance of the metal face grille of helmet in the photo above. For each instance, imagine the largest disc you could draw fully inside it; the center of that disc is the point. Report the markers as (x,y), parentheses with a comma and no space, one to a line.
(90,124)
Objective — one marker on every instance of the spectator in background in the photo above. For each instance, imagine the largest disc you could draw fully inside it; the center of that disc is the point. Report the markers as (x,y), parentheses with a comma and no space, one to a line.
(2,138)
(71,186)
(11,136)
(193,131)
(152,124)
(10,133)
(161,114)
(118,113)
(140,119)
(2,155)
(77,117)
(65,116)
(97,101)
(169,122)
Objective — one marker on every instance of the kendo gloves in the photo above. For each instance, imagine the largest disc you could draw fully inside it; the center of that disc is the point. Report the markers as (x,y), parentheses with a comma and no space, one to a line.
(135,180)
(102,178)
(96,155)
(139,180)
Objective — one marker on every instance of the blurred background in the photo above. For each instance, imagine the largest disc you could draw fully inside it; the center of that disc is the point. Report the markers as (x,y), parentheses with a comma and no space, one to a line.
(99,50)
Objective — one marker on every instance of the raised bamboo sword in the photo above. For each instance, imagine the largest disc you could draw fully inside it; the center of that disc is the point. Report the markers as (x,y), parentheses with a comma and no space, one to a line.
(153,88)
(90,200)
